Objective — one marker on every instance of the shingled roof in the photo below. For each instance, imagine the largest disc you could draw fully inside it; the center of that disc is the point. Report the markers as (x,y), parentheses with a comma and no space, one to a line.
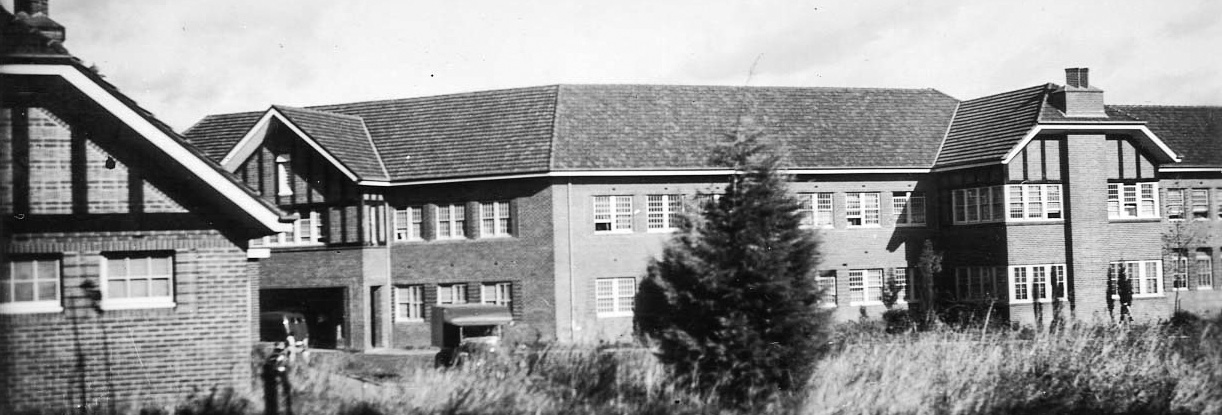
(986,128)
(341,135)
(628,127)
(1195,132)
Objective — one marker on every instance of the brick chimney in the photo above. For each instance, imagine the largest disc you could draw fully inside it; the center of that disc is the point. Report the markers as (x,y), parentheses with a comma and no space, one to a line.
(36,13)
(1077,98)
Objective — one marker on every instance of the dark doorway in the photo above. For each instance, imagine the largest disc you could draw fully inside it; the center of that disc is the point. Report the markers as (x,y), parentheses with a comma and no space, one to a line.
(324,310)
(375,316)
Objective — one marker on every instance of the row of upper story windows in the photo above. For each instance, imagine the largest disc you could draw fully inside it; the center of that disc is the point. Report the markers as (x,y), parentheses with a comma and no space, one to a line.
(1043,202)
(1193,203)
(494,219)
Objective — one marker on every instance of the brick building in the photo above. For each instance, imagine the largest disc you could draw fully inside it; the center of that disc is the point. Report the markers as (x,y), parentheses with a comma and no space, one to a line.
(553,198)
(123,269)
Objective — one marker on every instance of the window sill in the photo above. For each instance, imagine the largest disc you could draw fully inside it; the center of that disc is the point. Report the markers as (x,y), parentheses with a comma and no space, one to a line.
(1137,220)
(623,232)
(1028,222)
(486,237)
(910,225)
(31,307)
(620,314)
(832,305)
(410,322)
(863,226)
(292,245)
(1205,288)
(132,304)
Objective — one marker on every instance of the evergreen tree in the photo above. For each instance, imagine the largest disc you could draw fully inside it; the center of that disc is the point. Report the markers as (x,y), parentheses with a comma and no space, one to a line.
(731,304)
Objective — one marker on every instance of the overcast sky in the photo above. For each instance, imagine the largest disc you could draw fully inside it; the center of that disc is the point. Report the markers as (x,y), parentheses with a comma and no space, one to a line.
(183,59)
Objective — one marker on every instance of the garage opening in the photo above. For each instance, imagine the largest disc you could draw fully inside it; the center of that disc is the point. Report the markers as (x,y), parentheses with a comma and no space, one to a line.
(323,308)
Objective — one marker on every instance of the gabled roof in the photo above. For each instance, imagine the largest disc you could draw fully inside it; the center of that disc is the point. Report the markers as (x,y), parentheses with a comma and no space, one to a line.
(987,128)
(1196,131)
(23,57)
(568,128)
(343,136)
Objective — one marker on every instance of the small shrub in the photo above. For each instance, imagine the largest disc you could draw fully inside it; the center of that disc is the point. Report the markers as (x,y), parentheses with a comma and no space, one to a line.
(898,320)
(216,402)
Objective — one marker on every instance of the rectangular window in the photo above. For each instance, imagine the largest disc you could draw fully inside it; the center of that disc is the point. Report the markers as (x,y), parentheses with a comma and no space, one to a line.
(497,293)
(137,280)
(908,208)
(1010,203)
(1179,270)
(816,209)
(307,230)
(284,186)
(612,214)
(1200,204)
(451,221)
(865,286)
(494,220)
(409,223)
(409,303)
(1135,200)
(452,293)
(1175,203)
(30,286)
(900,276)
(615,296)
(1059,286)
(1019,282)
(664,212)
(1037,282)
(1145,277)
(1204,270)
(826,282)
(862,209)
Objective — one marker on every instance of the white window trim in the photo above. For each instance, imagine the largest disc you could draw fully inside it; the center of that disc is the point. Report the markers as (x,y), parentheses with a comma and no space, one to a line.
(815,210)
(861,214)
(669,201)
(37,306)
(834,294)
(1192,205)
(284,184)
(135,303)
(399,301)
(959,200)
(1141,278)
(1196,270)
(907,212)
(407,227)
(452,224)
(1155,199)
(1049,283)
(453,287)
(498,214)
(282,239)
(613,201)
(1180,260)
(617,304)
(865,286)
(494,288)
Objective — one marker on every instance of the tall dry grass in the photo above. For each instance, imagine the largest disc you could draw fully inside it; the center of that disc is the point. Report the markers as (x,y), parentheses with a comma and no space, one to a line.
(1124,370)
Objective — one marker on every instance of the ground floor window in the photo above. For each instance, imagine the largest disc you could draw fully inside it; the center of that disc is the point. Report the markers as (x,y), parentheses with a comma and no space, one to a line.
(137,280)
(499,293)
(1144,277)
(409,303)
(30,286)
(978,282)
(614,296)
(452,293)
(1037,283)
(826,282)
(865,286)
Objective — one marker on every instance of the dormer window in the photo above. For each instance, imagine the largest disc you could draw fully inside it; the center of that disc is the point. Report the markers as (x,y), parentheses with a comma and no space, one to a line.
(283,187)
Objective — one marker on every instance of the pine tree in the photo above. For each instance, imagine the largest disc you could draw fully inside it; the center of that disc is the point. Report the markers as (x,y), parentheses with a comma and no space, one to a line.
(731,304)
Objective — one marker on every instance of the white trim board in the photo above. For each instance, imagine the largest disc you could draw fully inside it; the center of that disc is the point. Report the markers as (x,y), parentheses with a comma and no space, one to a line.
(1035,131)
(635,173)
(157,137)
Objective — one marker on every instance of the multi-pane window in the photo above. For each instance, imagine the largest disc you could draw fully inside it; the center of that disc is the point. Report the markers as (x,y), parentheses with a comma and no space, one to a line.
(1138,200)
(614,296)
(1145,277)
(497,293)
(1037,282)
(409,223)
(1179,270)
(137,280)
(451,221)
(908,208)
(1034,201)
(862,209)
(494,219)
(1175,203)
(1218,203)
(306,230)
(1204,269)
(816,209)
(975,283)
(826,282)
(976,205)
(664,212)
(1200,203)
(30,286)
(409,303)
(452,293)
(900,276)
(865,286)
(612,214)
(284,186)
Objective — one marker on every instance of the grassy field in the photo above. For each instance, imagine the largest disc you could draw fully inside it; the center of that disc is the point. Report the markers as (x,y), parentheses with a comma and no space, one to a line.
(1112,370)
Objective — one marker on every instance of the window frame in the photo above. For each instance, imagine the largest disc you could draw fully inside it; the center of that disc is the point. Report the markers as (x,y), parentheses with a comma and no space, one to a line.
(621,305)
(127,303)
(1203,273)
(1199,207)
(414,300)
(865,286)
(903,212)
(826,280)
(817,210)
(501,211)
(1051,275)
(1143,266)
(454,288)
(863,211)
(977,282)
(670,211)
(1141,194)
(294,237)
(413,229)
(454,222)
(1010,203)
(34,306)
(614,215)
(284,181)
(502,293)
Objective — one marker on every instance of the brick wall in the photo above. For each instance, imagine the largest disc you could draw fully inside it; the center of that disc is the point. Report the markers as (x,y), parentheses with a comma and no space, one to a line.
(56,360)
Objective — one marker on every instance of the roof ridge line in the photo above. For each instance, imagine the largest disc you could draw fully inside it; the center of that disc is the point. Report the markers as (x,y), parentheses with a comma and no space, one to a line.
(946,135)
(1043,85)
(376,153)
(355,117)
(551,142)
